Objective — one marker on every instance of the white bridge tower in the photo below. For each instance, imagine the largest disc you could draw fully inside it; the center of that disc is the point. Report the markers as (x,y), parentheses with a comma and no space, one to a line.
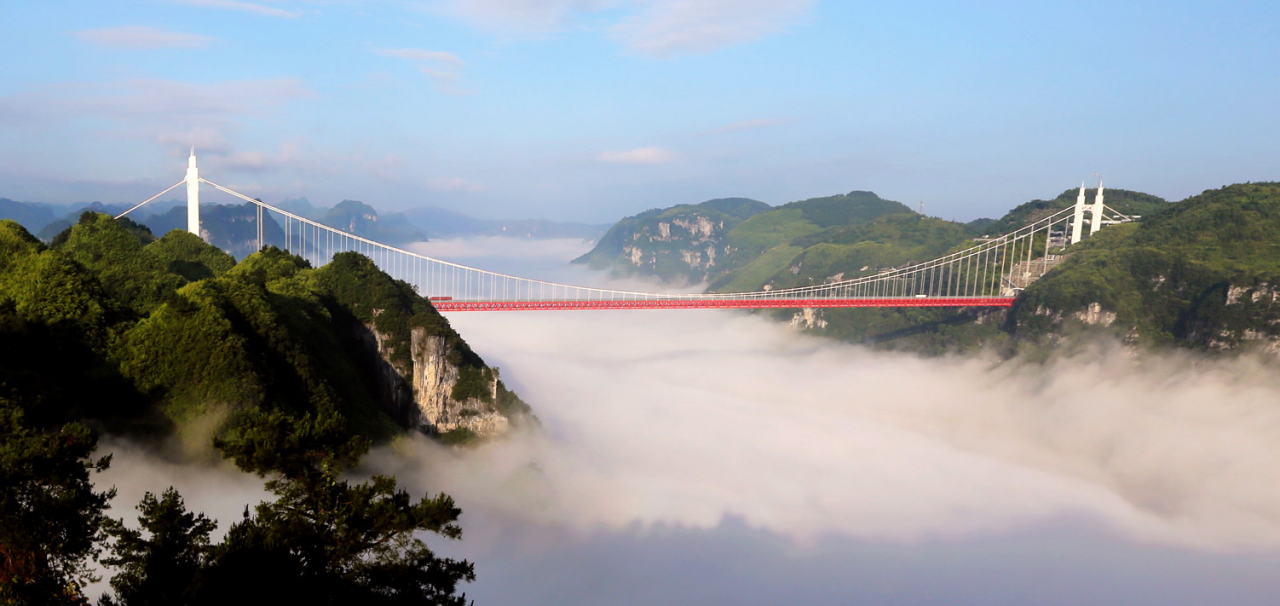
(193,195)
(1095,211)
(1096,214)
(1077,222)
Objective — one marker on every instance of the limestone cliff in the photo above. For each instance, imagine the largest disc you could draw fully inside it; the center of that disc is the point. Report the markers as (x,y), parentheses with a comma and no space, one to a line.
(424,393)
(435,382)
(681,244)
(415,365)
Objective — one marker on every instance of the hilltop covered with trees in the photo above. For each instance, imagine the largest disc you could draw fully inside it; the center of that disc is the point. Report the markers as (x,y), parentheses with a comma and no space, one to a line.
(681,243)
(266,361)
(1198,273)
(1202,273)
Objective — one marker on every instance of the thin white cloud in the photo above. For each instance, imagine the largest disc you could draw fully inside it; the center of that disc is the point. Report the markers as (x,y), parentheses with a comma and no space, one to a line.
(525,16)
(642,155)
(300,159)
(418,54)
(138,37)
(671,27)
(149,98)
(237,5)
(753,124)
(168,112)
(440,76)
(443,67)
(651,27)
(252,161)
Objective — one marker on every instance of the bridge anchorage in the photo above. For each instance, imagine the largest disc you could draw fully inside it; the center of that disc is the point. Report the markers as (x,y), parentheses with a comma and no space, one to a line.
(987,272)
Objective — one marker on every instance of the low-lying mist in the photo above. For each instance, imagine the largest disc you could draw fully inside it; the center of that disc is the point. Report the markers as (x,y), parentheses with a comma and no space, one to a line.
(726,427)
(683,418)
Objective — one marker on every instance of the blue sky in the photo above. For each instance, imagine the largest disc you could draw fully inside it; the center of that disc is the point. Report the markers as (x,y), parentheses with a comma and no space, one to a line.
(594,109)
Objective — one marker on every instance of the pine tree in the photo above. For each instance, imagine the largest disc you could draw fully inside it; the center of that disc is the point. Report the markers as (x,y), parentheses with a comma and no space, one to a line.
(326,539)
(163,568)
(50,516)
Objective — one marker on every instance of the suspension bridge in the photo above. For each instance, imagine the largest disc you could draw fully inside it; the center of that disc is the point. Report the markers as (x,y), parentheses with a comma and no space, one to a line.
(988,272)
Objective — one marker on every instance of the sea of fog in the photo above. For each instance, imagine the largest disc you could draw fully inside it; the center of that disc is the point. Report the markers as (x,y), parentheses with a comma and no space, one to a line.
(712,456)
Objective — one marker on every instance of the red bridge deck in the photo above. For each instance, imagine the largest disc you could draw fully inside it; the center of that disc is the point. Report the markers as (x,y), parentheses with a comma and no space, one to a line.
(449,305)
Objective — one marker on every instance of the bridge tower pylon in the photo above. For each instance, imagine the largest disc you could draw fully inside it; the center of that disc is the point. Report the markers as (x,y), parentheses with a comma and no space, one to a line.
(193,195)
(1096,212)
(1077,221)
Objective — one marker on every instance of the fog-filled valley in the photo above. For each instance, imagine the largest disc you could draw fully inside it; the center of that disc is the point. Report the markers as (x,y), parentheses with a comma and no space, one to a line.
(635,302)
(687,456)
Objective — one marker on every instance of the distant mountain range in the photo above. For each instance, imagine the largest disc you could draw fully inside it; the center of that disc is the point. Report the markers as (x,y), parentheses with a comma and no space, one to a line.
(441,223)
(231,228)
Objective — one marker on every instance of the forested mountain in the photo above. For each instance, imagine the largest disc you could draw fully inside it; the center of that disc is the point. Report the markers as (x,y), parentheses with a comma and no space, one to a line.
(681,243)
(289,371)
(1199,273)
(302,207)
(229,227)
(34,216)
(355,217)
(1130,203)
(1202,273)
(728,242)
(769,248)
(179,331)
(838,238)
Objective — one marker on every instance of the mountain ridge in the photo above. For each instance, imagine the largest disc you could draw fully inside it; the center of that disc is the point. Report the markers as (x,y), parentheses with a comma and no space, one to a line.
(183,331)
(1221,273)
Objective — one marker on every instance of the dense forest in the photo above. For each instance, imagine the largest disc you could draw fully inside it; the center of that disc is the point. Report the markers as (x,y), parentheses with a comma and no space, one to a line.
(266,362)
(1199,273)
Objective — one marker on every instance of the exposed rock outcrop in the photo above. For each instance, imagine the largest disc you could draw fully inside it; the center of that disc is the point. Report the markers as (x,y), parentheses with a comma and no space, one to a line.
(434,382)
(423,395)
(1094,314)
(808,318)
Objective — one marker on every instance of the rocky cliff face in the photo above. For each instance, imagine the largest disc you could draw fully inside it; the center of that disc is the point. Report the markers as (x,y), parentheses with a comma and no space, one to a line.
(683,243)
(682,246)
(422,396)
(1224,317)
(434,383)
(1256,307)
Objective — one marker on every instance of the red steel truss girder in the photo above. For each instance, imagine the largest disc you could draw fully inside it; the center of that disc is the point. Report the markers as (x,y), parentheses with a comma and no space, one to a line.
(723,303)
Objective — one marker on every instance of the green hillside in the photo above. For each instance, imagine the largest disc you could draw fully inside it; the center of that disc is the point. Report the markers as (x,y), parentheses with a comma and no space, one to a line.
(728,242)
(1131,203)
(180,333)
(1198,273)
(1203,273)
(802,255)
(680,244)
(171,343)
